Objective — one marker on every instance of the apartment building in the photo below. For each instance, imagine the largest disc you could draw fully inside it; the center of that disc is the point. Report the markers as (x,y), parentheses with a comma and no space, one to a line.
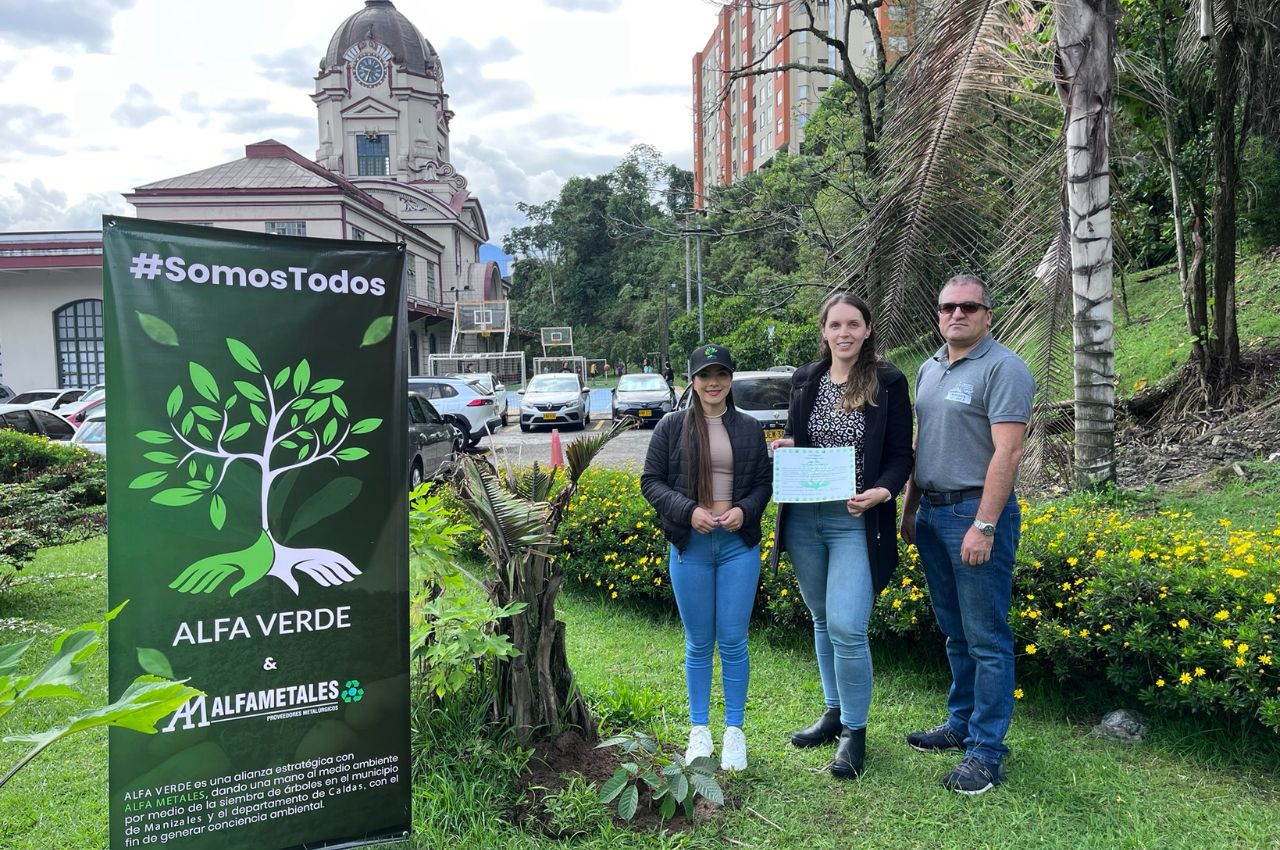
(739,126)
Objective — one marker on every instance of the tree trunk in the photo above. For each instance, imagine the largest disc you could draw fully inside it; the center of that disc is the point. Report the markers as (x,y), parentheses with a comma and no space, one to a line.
(1085,41)
(1195,298)
(1225,348)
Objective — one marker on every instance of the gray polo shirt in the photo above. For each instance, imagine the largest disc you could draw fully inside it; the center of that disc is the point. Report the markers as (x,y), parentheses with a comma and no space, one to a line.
(956,405)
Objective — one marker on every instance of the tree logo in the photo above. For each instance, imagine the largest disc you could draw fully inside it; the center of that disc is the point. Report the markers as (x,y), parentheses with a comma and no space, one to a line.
(352,692)
(710,351)
(276,425)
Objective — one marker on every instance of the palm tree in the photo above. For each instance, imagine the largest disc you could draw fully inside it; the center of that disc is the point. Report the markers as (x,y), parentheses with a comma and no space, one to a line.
(519,515)
(985,184)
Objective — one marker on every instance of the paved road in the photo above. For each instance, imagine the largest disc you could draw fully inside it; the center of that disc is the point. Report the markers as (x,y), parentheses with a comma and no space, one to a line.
(523,448)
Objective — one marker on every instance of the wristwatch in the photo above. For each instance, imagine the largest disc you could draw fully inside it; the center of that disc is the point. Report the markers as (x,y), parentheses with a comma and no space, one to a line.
(987,528)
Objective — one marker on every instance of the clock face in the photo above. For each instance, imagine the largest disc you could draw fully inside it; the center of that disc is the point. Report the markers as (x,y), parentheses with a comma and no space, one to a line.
(370,71)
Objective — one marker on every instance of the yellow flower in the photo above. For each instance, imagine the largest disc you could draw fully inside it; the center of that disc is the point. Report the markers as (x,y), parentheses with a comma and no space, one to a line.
(1264,659)
(1185,678)
(598,582)
(1199,672)
(1072,561)
(1234,573)
(1182,624)
(1228,642)
(1099,554)
(613,595)
(1239,660)
(1159,683)
(1031,649)
(1242,648)
(782,592)
(1269,598)
(1221,615)
(1017,693)
(1136,554)
(897,603)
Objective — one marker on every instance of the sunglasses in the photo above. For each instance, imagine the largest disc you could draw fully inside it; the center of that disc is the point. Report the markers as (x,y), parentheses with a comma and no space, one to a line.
(966,307)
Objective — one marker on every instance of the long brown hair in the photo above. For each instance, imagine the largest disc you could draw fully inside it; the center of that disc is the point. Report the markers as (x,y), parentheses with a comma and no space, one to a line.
(864,379)
(697,447)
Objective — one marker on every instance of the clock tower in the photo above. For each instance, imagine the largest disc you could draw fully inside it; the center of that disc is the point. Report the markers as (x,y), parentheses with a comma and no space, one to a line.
(383,111)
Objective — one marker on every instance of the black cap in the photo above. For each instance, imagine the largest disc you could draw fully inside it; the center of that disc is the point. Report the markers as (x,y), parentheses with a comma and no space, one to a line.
(709,355)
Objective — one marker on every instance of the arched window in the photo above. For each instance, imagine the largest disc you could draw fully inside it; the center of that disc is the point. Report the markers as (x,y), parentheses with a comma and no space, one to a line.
(77,335)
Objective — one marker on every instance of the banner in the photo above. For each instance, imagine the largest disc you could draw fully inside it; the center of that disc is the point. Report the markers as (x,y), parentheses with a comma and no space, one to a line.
(257,476)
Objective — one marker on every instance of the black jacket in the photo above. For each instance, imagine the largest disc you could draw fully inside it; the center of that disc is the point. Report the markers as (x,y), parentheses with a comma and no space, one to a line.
(665,481)
(887,458)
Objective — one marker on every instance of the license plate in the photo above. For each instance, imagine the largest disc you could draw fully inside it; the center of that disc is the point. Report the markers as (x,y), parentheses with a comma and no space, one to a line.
(771,434)
(551,416)
(646,413)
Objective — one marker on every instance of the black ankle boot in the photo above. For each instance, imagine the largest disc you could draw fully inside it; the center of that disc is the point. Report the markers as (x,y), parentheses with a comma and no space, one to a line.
(850,753)
(824,730)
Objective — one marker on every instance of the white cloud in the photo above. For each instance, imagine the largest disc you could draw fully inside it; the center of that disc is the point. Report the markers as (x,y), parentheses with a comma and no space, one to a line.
(24,128)
(138,109)
(585,5)
(34,206)
(82,23)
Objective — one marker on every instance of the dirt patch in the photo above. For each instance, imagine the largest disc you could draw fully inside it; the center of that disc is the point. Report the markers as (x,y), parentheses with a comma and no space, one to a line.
(1165,438)
(568,755)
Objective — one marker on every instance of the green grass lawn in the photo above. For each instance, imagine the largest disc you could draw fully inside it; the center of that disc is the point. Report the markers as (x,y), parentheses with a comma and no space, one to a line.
(1189,786)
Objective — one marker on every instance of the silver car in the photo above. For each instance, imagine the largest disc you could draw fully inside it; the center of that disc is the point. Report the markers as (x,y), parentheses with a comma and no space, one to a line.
(92,435)
(463,404)
(556,398)
(763,396)
(645,397)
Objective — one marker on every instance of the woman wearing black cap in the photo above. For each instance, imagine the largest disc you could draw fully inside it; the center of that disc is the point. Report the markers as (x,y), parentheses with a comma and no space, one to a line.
(708,475)
(845,552)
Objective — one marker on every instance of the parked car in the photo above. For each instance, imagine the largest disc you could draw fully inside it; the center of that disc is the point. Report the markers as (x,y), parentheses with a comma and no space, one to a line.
(432,441)
(69,411)
(646,397)
(97,407)
(461,403)
(5,394)
(556,398)
(47,399)
(92,435)
(30,419)
(761,395)
(492,384)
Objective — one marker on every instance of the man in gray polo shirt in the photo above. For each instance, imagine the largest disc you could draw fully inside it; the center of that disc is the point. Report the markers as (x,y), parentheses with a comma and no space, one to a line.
(973,402)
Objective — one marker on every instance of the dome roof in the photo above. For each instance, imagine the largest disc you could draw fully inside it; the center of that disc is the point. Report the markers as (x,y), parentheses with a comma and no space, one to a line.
(380,21)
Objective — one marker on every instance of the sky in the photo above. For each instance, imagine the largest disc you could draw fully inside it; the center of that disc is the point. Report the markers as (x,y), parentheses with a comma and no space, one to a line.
(100,96)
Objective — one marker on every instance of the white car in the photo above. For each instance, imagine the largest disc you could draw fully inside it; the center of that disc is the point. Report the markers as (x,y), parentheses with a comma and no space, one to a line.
(70,408)
(464,404)
(492,384)
(92,435)
(30,419)
(48,399)
(556,398)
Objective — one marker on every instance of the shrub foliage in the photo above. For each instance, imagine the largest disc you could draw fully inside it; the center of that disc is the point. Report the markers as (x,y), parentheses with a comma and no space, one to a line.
(1180,614)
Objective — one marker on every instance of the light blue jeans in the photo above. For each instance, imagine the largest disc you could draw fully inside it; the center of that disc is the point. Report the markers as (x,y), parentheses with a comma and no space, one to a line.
(828,549)
(714,580)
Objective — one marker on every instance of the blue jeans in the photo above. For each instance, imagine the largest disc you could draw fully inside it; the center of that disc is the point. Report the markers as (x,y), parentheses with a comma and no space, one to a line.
(828,549)
(714,580)
(971,604)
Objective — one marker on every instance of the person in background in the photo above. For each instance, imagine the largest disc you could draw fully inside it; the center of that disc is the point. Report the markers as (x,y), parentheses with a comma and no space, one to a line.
(973,400)
(708,475)
(668,374)
(844,552)
(646,368)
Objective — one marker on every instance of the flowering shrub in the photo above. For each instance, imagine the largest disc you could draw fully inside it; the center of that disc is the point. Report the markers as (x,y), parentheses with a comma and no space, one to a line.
(1182,615)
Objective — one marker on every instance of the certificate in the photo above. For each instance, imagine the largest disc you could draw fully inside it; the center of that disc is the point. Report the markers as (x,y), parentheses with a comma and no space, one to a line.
(814,475)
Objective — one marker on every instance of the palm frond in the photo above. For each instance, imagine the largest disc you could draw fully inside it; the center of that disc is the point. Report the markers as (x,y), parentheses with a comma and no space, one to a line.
(534,483)
(579,454)
(509,524)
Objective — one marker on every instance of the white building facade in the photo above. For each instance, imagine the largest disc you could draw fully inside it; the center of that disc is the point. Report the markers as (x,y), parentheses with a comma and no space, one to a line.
(381,173)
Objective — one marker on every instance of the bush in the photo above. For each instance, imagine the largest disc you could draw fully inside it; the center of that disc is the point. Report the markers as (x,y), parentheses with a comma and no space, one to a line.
(50,494)
(1182,615)
(21,455)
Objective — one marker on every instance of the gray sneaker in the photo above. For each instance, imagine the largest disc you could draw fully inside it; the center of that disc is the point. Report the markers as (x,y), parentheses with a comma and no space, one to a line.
(939,739)
(973,776)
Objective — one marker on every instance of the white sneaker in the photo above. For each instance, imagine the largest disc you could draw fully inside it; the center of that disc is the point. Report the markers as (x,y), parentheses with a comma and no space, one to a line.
(700,744)
(733,753)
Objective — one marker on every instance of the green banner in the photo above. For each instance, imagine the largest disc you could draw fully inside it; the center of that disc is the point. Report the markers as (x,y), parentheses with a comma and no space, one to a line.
(257,475)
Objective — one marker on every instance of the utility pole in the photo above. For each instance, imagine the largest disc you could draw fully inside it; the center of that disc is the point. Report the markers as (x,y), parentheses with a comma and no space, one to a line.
(688,289)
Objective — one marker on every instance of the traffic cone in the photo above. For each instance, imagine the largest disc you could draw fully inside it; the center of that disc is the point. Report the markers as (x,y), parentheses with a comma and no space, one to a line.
(557,457)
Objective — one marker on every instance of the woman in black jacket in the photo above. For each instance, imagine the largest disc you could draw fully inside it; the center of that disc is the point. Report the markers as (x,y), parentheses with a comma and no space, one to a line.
(708,475)
(844,552)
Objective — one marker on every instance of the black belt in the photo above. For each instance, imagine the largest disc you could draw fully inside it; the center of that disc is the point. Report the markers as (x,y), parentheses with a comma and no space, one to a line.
(950,497)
